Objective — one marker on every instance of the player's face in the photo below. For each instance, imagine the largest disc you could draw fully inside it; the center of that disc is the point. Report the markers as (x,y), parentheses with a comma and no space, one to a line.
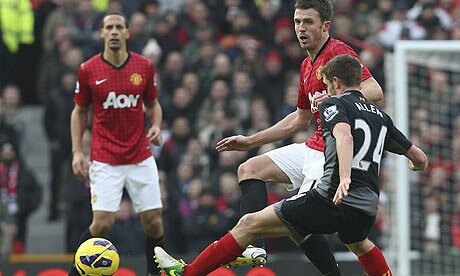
(330,86)
(114,32)
(309,28)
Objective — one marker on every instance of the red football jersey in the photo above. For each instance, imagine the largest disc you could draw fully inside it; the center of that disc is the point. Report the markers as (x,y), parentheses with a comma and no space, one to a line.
(117,95)
(311,81)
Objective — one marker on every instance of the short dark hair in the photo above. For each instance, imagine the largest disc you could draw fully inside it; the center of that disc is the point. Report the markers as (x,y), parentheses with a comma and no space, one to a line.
(323,7)
(115,13)
(345,67)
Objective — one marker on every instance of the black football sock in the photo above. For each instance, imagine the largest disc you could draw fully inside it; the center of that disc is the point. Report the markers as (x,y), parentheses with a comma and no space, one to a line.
(254,198)
(317,250)
(152,268)
(84,236)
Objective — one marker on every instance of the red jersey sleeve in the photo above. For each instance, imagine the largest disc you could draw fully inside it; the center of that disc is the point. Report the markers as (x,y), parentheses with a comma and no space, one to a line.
(342,48)
(82,95)
(303,102)
(151,91)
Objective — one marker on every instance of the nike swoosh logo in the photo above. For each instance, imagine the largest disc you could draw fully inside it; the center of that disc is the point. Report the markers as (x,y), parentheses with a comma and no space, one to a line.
(100,81)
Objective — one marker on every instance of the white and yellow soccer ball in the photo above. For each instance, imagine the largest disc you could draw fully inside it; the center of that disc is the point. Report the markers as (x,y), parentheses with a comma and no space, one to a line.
(97,256)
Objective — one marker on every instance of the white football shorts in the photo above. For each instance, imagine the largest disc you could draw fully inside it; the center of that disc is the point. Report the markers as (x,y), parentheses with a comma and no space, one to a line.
(303,165)
(141,182)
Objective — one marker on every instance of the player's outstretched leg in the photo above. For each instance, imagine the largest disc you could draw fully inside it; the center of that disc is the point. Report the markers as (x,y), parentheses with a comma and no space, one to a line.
(212,257)
(168,264)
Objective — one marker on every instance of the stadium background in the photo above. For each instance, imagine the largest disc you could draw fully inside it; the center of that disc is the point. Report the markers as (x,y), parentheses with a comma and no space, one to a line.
(223,68)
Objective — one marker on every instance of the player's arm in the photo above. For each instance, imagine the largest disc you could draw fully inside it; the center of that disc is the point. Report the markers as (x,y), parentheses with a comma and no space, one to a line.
(153,108)
(335,120)
(155,116)
(371,89)
(344,147)
(284,129)
(78,123)
(399,144)
(417,159)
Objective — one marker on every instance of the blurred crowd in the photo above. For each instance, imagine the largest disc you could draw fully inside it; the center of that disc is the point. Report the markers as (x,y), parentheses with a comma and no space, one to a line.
(223,67)
(435,126)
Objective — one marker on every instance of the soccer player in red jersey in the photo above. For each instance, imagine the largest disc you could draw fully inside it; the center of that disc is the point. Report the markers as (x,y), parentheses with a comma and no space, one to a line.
(298,165)
(118,84)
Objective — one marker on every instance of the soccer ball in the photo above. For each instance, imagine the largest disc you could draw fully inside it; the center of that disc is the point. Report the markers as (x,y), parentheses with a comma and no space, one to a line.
(97,256)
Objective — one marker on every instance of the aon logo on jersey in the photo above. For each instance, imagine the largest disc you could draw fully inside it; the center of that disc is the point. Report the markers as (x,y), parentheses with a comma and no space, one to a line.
(120,101)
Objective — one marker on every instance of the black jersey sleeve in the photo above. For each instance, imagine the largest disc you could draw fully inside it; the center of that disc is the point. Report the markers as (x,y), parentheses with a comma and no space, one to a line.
(333,111)
(396,141)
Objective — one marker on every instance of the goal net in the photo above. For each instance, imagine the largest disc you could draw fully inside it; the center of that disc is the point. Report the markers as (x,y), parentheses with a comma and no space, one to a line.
(421,216)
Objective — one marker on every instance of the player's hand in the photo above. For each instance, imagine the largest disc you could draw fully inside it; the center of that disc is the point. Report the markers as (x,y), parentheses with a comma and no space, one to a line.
(318,98)
(342,191)
(154,135)
(234,143)
(80,164)
(418,167)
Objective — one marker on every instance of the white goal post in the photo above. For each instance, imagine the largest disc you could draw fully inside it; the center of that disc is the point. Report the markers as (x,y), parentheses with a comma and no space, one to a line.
(401,108)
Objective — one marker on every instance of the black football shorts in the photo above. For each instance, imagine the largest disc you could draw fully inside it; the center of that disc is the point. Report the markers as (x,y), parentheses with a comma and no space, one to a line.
(311,213)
